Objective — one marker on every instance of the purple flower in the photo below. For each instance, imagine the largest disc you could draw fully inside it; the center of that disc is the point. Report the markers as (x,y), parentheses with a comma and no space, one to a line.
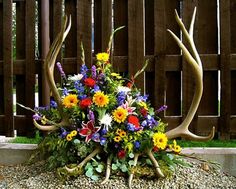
(95,89)
(63,75)
(162,108)
(137,144)
(142,98)
(103,132)
(91,115)
(96,137)
(94,74)
(63,133)
(37,117)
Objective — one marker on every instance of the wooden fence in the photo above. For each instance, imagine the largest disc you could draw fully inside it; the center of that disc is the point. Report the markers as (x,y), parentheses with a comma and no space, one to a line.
(168,80)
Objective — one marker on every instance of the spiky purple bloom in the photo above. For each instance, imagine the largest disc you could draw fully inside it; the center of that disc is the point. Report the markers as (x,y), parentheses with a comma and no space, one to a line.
(162,108)
(94,73)
(91,115)
(60,69)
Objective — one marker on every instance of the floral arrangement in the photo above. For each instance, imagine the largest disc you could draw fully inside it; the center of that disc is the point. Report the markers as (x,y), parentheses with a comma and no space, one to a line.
(99,113)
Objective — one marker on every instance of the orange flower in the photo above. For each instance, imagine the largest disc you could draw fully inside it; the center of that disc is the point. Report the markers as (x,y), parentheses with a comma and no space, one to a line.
(70,101)
(100,99)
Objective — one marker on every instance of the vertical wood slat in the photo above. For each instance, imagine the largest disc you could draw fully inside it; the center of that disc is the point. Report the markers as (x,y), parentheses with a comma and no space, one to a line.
(159,50)
(102,24)
(1,66)
(225,109)
(136,40)
(70,41)
(30,62)
(20,54)
(84,31)
(121,19)
(8,67)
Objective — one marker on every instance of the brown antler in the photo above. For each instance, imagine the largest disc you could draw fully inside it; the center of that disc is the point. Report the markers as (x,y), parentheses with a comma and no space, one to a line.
(195,62)
(49,72)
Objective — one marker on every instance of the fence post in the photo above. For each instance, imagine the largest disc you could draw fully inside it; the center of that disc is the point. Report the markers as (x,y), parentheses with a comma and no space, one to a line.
(8,68)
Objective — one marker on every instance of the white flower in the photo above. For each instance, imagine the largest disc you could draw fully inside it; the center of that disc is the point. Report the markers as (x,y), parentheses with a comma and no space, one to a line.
(123,89)
(106,121)
(76,77)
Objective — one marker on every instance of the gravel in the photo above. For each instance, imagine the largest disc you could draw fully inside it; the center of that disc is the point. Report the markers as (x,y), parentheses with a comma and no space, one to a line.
(36,177)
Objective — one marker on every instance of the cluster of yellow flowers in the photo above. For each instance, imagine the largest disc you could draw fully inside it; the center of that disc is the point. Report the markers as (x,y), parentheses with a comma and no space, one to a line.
(119,135)
(70,136)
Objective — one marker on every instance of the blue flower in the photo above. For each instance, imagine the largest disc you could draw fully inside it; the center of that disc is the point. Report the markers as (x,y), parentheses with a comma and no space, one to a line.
(63,133)
(95,89)
(103,132)
(37,117)
(96,137)
(130,127)
(65,92)
(53,104)
(137,144)
(103,141)
(83,70)
(121,98)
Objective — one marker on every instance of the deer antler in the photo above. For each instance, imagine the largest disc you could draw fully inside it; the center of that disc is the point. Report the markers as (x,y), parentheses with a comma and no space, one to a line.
(195,62)
(49,72)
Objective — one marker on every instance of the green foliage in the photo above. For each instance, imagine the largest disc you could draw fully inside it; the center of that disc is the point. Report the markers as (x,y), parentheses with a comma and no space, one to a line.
(25,140)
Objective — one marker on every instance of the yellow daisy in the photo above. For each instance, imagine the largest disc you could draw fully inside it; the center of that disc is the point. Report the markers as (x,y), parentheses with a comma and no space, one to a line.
(70,101)
(116,75)
(122,134)
(120,114)
(117,138)
(100,99)
(174,147)
(160,140)
(69,137)
(102,57)
(73,133)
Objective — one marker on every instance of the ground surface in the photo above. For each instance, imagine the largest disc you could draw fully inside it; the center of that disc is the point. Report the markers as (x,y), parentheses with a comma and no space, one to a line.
(36,177)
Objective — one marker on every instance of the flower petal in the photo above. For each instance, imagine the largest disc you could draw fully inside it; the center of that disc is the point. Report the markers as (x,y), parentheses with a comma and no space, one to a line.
(84,132)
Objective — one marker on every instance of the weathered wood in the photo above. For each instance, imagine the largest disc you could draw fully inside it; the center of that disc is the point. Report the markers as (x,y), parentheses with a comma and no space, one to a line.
(30,63)
(1,67)
(84,31)
(225,108)
(8,68)
(136,40)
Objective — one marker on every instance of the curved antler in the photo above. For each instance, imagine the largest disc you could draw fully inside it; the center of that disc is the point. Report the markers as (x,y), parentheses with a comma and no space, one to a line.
(195,62)
(49,72)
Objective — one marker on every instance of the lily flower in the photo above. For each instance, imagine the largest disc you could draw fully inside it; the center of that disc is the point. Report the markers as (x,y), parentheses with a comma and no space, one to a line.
(88,130)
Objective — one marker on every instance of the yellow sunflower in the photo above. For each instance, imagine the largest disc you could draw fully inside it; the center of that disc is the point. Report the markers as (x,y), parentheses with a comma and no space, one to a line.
(102,57)
(174,147)
(70,101)
(160,140)
(120,114)
(100,99)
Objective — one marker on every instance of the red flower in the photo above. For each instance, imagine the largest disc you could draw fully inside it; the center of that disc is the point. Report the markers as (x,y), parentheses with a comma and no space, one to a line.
(121,154)
(88,130)
(134,120)
(86,102)
(90,82)
(144,112)
(155,149)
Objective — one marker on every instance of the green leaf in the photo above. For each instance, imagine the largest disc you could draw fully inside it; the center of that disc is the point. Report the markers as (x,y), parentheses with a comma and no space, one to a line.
(170,156)
(148,162)
(99,169)
(88,165)
(124,168)
(76,141)
(89,173)
(131,162)
(94,177)
(131,155)
(114,167)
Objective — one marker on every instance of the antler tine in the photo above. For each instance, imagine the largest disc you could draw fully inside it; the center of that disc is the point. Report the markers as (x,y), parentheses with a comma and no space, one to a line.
(49,72)
(195,63)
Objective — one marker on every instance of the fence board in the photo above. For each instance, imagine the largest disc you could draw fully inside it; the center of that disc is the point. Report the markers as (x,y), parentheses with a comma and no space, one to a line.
(225,108)
(1,67)
(136,40)
(84,31)
(7,67)
(30,62)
